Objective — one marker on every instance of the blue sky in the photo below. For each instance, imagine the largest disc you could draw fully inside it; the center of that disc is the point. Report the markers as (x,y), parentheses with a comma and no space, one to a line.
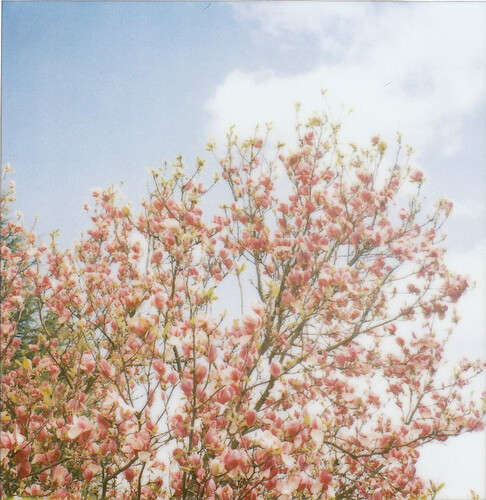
(94,93)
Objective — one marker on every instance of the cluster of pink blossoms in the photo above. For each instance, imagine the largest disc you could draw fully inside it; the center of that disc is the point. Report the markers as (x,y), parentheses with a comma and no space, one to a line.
(132,380)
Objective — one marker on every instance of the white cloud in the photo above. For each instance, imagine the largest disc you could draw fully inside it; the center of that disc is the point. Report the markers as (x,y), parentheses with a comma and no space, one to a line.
(413,68)
(459,463)
(470,209)
(469,338)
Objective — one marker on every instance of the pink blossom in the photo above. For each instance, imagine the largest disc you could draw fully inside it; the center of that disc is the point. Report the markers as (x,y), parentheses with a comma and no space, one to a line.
(186,387)
(90,471)
(6,440)
(416,176)
(81,428)
(288,485)
(250,417)
(171,224)
(23,469)
(200,373)
(251,322)
(325,477)
(210,487)
(160,367)
(129,474)
(88,363)
(108,446)
(34,490)
(138,441)
(157,257)
(160,300)
(334,231)
(212,353)
(60,475)
(225,394)
(275,369)
(106,369)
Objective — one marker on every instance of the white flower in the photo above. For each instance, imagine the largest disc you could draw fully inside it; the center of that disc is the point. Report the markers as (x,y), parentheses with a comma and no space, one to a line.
(317,436)
(268,441)
(288,485)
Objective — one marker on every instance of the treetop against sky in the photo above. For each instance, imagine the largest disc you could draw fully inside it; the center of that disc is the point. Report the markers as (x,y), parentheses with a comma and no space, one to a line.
(93,93)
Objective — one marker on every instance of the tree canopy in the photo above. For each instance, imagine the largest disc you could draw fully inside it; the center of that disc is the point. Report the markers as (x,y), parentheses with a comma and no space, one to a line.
(131,379)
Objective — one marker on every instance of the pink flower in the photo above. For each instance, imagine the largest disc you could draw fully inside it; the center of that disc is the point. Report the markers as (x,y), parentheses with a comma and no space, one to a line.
(157,257)
(293,427)
(129,474)
(251,322)
(90,472)
(134,343)
(106,369)
(364,176)
(108,446)
(250,417)
(288,485)
(258,308)
(210,487)
(309,138)
(225,394)
(88,363)
(334,231)
(138,441)
(186,387)
(417,176)
(160,300)
(216,467)
(6,440)
(160,367)
(60,475)
(34,490)
(212,439)
(61,493)
(200,373)
(23,469)
(88,475)
(212,353)
(23,453)
(232,460)
(225,492)
(355,237)
(325,477)
(171,224)
(81,428)
(275,369)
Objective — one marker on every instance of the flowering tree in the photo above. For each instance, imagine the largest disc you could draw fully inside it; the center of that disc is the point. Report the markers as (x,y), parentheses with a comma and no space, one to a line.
(137,385)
